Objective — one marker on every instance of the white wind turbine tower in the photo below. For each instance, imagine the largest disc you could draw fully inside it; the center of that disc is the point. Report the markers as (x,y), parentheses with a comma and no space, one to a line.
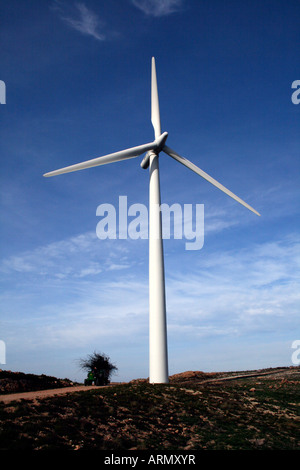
(158,355)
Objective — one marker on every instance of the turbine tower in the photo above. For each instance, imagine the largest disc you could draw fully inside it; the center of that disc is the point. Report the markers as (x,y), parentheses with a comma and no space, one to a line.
(158,351)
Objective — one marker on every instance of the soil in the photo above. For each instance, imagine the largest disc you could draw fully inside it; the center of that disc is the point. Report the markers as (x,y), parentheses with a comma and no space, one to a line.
(247,410)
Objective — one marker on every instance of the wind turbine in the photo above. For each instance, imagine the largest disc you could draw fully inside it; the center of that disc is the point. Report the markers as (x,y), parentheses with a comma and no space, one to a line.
(158,354)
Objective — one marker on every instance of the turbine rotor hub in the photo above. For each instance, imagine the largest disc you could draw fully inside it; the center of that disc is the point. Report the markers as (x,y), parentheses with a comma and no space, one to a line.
(160,143)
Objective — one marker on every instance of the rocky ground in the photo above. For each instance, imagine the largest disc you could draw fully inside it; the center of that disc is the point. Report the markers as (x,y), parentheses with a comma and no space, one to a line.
(229,411)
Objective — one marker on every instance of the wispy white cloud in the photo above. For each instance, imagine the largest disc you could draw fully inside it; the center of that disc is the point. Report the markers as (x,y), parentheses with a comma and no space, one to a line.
(233,293)
(75,257)
(81,18)
(85,254)
(226,296)
(158,7)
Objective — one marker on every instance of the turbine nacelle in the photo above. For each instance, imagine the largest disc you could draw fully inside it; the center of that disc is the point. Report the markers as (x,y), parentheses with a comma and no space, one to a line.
(160,143)
(146,160)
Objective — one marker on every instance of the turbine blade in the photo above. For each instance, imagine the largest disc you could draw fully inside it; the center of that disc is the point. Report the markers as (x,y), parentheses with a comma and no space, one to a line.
(110,158)
(204,175)
(155,115)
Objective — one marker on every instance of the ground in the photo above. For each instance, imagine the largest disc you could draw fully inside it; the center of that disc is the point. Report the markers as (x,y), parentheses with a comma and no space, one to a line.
(256,410)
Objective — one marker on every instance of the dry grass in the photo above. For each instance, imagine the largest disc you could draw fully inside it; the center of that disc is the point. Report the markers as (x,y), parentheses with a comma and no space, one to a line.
(248,413)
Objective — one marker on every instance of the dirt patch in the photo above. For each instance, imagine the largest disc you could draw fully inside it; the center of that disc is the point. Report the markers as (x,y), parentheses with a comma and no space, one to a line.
(44,393)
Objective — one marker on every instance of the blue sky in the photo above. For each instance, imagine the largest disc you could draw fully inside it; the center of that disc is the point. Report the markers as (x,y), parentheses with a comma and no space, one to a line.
(77,78)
